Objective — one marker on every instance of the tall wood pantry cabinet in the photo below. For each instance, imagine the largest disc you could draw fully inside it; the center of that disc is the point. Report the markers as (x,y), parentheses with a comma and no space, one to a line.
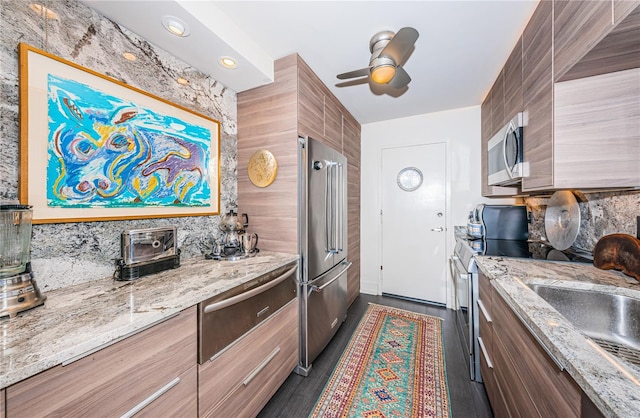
(272,117)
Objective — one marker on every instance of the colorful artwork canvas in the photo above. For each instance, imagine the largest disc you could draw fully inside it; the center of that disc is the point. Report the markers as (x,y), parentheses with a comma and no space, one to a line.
(104,151)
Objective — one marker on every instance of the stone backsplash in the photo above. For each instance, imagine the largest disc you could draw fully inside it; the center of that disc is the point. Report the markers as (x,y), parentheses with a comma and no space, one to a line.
(600,214)
(69,253)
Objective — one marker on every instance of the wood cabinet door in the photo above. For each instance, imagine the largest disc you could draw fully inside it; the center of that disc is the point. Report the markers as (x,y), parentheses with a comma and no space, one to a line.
(2,403)
(351,140)
(537,53)
(332,123)
(537,91)
(513,83)
(622,8)
(115,379)
(353,231)
(310,103)
(497,104)
(597,134)
(529,373)
(578,27)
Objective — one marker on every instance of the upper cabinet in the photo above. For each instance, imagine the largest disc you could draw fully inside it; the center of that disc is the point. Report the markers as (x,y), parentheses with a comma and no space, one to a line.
(580,96)
(537,91)
(578,27)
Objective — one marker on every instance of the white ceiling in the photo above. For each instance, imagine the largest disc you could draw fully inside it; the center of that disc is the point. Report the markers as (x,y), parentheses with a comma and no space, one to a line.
(461,48)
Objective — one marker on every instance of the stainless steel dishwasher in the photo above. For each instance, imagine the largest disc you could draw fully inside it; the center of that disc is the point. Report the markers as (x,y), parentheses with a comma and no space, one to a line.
(228,316)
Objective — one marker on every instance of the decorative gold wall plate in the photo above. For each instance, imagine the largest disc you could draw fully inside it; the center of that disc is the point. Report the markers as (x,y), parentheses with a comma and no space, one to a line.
(262,168)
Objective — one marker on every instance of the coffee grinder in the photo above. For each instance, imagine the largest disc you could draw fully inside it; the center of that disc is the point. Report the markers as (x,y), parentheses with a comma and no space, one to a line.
(18,289)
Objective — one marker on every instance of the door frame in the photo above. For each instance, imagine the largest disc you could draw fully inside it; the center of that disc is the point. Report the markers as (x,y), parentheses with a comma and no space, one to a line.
(447,202)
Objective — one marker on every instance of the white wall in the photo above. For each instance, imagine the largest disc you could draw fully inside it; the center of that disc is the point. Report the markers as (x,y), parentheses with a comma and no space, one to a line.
(460,130)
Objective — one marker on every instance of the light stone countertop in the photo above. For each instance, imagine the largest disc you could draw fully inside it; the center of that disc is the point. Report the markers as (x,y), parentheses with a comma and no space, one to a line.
(80,318)
(612,385)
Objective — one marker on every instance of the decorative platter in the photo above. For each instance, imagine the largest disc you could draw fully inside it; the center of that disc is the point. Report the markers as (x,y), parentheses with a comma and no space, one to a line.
(262,168)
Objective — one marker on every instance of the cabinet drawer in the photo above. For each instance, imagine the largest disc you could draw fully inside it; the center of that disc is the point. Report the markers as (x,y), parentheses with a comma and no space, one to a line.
(113,380)
(241,380)
(518,401)
(554,392)
(498,404)
(179,400)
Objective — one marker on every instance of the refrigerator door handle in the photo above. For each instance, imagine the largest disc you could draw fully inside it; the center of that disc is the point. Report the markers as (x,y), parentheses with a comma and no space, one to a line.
(331,203)
(315,288)
(327,210)
(340,208)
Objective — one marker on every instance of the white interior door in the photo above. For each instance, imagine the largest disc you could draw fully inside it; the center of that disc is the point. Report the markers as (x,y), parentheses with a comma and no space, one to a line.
(414,222)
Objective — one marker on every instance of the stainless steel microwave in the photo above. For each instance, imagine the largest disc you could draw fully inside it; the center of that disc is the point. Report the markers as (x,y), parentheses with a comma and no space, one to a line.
(504,159)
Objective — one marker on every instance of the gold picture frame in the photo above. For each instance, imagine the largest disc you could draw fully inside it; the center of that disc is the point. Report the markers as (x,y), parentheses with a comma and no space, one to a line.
(93,148)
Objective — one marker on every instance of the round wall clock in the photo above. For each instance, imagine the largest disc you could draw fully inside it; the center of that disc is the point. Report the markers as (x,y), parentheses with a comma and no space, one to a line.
(262,168)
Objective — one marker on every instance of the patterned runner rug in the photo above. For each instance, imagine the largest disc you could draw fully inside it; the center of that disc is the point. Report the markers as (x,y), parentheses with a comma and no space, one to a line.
(393,366)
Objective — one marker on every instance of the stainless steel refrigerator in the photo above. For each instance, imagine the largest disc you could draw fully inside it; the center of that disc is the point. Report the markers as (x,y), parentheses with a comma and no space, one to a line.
(323,247)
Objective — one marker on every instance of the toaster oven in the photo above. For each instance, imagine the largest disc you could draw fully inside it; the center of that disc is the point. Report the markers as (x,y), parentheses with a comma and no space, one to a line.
(147,251)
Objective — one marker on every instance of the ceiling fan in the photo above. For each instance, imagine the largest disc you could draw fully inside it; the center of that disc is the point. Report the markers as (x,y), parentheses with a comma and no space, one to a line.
(388,53)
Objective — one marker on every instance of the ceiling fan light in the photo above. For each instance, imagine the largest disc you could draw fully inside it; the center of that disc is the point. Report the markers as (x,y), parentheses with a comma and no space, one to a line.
(383,74)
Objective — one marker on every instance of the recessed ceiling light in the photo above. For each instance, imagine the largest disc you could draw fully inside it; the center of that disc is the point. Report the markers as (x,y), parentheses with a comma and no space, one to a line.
(182,81)
(228,62)
(129,56)
(43,11)
(175,26)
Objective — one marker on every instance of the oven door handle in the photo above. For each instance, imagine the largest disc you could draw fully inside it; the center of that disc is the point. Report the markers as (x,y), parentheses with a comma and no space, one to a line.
(246,295)
(457,269)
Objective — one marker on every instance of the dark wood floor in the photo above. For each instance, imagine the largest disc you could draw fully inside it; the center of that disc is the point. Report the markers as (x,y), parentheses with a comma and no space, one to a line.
(298,395)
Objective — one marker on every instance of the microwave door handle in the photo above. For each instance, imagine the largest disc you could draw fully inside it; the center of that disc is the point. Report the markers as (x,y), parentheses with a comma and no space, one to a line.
(507,132)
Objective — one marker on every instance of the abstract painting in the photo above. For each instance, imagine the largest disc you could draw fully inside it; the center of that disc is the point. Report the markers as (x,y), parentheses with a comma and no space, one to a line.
(104,151)
(99,149)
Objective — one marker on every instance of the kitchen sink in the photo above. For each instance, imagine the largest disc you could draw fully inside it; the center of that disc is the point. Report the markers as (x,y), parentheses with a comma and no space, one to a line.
(612,321)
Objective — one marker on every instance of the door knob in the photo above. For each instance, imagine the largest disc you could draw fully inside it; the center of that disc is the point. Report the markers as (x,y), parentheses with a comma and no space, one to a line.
(438,229)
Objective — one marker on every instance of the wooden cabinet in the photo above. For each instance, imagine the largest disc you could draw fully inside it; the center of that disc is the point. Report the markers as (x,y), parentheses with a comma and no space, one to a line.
(497,103)
(351,149)
(157,365)
(2,402)
(242,379)
(520,378)
(580,133)
(578,27)
(272,117)
(512,74)
(537,89)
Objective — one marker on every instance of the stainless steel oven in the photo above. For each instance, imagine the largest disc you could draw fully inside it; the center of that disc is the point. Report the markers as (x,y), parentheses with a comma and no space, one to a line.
(465,275)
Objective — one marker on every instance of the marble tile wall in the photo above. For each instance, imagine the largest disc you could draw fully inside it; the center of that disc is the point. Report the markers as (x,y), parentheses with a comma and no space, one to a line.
(69,253)
(600,214)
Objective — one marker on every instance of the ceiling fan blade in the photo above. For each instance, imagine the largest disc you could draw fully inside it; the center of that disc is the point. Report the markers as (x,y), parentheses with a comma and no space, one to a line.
(400,45)
(401,79)
(356,73)
(354,82)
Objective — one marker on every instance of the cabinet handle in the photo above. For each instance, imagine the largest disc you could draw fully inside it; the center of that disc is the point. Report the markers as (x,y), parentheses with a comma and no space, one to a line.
(246,295)
(484,311)
(151,398)
(261,366)
(484,353)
